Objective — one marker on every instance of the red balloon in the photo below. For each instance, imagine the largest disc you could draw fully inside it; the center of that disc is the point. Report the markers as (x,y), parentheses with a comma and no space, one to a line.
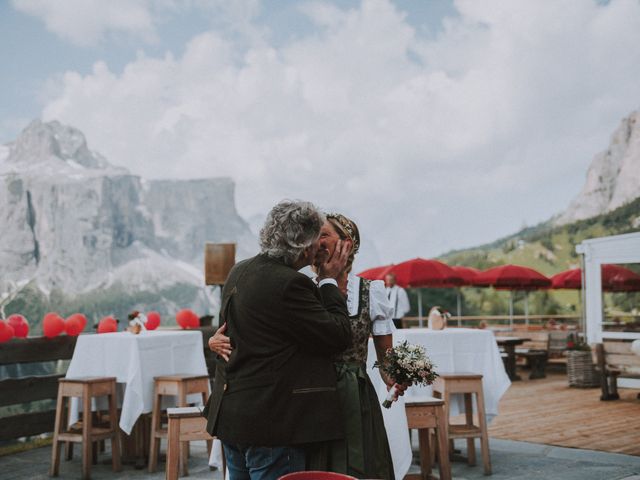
(80,318)
(52,325)
(187,318)
(19,324)
(6,331)
(107,325)
(72,326)
(153,320)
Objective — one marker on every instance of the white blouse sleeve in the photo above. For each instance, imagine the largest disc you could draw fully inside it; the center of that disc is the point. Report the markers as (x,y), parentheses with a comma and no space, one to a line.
(380,309)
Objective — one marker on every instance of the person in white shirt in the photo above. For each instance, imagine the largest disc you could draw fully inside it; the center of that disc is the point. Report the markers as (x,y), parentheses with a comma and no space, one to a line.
(397,298)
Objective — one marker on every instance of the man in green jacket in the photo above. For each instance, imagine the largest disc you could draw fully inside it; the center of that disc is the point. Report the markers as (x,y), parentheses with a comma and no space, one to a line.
(276,396)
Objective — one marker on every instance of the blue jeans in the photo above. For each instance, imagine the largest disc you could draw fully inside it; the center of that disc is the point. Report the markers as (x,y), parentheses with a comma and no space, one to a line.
(262,463)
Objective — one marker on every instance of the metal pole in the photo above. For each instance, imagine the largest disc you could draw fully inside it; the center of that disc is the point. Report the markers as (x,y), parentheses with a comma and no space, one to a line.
(583,318)
(526,308)
(459,305)
(511,309)
(420,307)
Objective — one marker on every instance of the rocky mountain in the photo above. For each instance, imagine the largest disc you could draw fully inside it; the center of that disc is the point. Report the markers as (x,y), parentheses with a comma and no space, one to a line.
(613,179)
(75,226)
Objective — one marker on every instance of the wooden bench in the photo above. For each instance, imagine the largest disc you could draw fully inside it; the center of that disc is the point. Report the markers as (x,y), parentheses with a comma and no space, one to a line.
(542,348)
(616,360)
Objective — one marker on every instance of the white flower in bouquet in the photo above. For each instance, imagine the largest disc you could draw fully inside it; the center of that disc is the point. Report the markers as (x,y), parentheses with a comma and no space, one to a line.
(406,364)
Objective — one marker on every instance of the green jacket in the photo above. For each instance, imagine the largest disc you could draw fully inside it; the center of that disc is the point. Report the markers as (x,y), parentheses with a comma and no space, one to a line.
(279,386)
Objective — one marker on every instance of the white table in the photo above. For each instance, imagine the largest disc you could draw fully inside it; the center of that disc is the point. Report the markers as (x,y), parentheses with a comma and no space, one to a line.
(134,360)
(458,350)
(452,350)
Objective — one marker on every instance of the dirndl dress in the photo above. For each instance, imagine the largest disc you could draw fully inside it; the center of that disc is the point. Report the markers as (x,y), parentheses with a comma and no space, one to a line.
(364,452)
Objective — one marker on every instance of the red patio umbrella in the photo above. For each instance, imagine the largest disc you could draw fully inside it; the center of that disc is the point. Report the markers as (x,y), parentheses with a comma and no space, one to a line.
(569,279)
(419,272)
(620,279)
(468,276)
(513,277)
(614,279)
(375,273)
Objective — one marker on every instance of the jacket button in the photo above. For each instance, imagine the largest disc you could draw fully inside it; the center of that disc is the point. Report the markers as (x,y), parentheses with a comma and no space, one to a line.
(225,387)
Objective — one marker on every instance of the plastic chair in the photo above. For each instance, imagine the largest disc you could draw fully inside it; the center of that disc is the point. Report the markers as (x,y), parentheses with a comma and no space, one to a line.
(316,475)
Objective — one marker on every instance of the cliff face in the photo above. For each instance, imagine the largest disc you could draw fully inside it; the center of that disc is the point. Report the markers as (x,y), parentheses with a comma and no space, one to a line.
(613,178)
(187,214)
(73,223)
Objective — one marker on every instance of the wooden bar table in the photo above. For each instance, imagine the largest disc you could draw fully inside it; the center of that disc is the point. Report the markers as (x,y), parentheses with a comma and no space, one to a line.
(135,360)
(509,345)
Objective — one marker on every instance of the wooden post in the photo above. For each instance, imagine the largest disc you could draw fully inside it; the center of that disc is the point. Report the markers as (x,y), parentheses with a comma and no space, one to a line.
(219,258)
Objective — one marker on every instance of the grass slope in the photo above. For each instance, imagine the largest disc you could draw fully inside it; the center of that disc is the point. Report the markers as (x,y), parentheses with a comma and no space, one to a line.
(545,247)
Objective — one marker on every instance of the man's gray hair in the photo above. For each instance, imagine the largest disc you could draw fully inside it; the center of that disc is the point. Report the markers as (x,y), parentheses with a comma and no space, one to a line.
(291,226)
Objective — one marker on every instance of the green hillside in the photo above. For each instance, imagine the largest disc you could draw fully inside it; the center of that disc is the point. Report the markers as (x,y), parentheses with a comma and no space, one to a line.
(547,248)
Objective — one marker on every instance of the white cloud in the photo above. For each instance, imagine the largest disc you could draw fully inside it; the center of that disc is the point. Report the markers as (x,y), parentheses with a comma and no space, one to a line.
(85,22)
(430,143)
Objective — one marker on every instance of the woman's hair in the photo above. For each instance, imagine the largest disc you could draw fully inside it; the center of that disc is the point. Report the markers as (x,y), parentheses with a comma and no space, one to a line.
(347,229)
(291,226)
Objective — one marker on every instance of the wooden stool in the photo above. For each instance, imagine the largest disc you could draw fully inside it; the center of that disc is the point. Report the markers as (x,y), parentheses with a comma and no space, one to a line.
(468,384)
(426,414)
(185,424)
(86,389)
(180,386)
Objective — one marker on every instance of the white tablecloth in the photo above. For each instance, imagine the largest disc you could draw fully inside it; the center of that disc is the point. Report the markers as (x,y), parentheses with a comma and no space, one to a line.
(452,350)
(458,350)
(395,420)
(134,360)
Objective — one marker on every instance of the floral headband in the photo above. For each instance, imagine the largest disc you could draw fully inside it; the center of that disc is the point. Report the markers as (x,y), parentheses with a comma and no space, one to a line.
(347,228)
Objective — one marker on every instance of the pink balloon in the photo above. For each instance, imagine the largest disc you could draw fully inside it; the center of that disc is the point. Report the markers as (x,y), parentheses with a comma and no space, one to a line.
(107,325)
(82,320)
(6,331)
(19,324)
(73,326)
(52,325)
(153,320)
(187,318)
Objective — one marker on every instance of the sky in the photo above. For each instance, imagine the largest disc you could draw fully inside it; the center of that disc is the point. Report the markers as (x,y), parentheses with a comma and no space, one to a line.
(434,124)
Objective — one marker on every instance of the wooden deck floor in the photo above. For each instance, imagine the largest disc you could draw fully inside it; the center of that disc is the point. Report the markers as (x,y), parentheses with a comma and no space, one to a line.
(549,411)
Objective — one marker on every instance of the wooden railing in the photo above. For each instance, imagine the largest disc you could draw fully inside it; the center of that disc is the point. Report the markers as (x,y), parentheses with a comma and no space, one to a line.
(498,320)
(25,390)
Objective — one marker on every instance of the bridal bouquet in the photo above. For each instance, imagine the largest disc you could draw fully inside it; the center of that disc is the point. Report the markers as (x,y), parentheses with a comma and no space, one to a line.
(406,364)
